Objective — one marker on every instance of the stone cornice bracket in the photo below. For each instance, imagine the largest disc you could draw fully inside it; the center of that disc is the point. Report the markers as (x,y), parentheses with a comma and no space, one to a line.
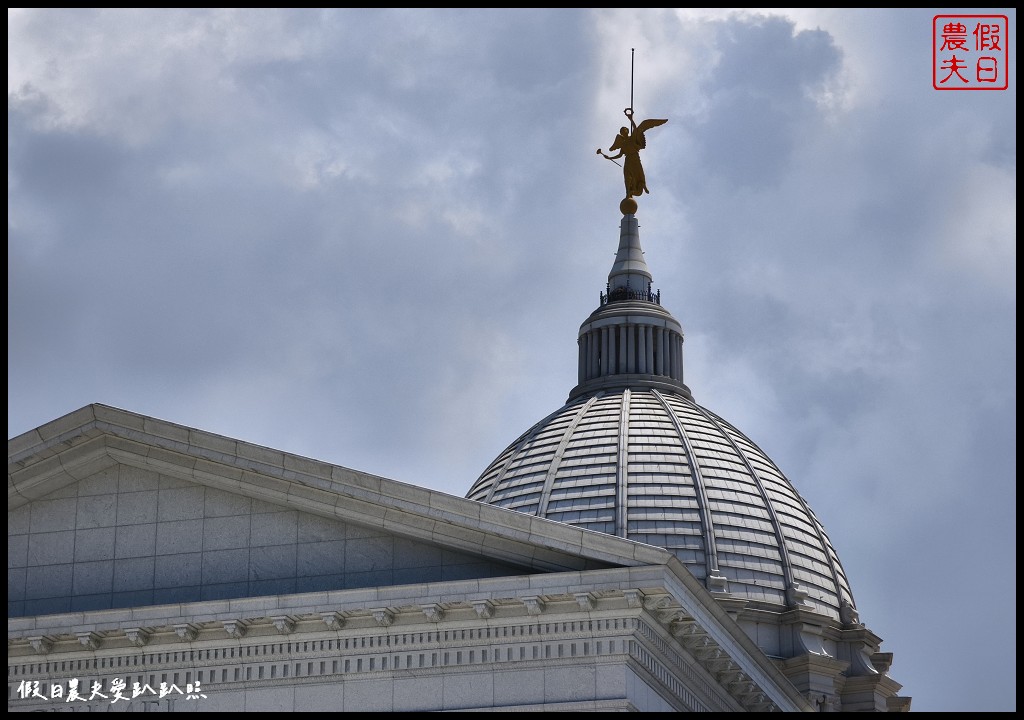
(383,616)
(881,661)
(758,702)
(739,683)
(433,612)
(585,600)
(284,624)
(672,616)
(333,620)
(235,629)
(717,583)
(136,636)
(726,670)
(89,640)
(186,632)
(730,675)
(748,689)
(634,598)
(41,644)
(655,603)
(534,605)
(699,645)
(711,654)
(688,629)
(484,609)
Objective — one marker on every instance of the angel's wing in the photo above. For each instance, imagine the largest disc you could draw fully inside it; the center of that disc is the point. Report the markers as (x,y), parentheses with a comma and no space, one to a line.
(644,127)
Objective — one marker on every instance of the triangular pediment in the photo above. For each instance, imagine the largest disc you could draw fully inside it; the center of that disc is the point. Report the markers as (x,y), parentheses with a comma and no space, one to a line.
(130,537)
(112,509)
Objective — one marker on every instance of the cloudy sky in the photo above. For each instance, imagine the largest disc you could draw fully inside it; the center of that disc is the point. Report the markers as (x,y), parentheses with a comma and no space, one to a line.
(370,237)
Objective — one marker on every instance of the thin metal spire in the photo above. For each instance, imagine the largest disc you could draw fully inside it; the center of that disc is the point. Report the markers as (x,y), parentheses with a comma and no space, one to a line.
(632,54)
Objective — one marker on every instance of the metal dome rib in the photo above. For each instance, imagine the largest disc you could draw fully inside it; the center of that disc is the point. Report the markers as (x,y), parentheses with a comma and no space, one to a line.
(710,546)
(559,452)
(787,572)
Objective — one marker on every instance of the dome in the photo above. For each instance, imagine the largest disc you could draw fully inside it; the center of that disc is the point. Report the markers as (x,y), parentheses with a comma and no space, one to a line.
(632,454)
(656,467)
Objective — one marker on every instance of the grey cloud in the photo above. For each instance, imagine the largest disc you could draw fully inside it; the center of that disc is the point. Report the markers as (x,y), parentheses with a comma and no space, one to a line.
(761,94)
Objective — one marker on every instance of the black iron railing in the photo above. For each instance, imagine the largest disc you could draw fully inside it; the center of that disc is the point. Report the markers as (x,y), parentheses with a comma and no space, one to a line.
(624,293)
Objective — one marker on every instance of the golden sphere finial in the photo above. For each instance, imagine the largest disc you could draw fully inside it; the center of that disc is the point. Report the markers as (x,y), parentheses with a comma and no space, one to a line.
(628,206)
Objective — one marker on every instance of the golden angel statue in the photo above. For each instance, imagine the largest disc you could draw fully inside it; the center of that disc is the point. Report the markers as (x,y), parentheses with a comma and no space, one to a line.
(629,144)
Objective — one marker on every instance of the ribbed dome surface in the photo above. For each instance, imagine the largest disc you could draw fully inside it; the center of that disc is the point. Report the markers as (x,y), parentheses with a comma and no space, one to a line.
(656,467)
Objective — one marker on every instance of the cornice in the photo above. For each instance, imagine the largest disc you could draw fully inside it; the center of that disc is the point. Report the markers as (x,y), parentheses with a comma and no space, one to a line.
(647,623)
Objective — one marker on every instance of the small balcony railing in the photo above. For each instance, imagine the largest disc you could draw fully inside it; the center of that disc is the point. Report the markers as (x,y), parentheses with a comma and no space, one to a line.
(624,293)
